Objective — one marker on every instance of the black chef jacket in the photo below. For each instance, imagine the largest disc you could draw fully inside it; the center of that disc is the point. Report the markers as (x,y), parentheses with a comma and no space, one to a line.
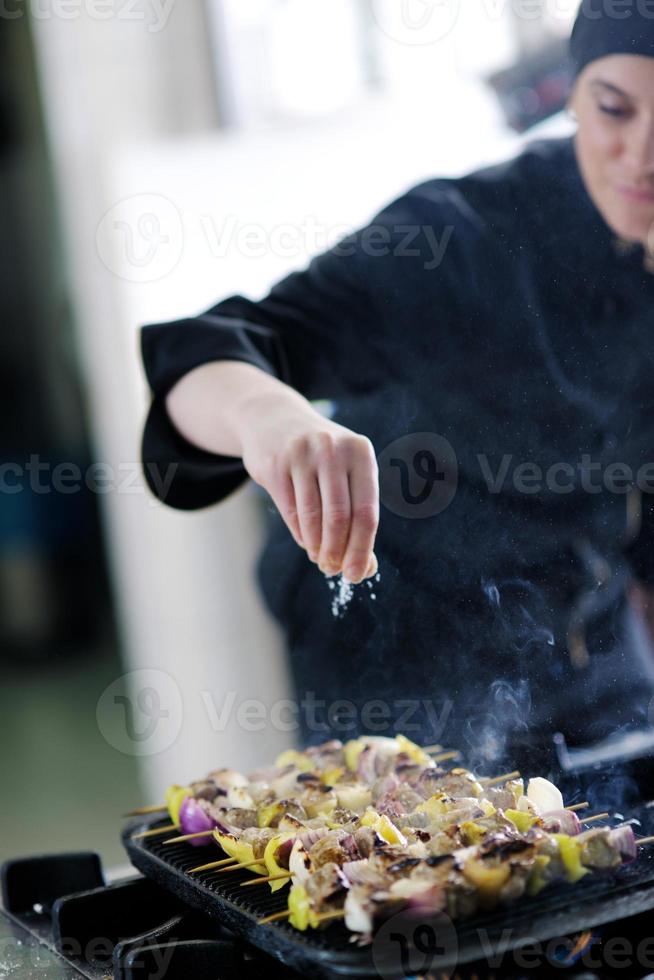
(499,312)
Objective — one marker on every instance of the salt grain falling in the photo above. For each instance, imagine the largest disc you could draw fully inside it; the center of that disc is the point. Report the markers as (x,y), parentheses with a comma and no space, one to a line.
(344,592)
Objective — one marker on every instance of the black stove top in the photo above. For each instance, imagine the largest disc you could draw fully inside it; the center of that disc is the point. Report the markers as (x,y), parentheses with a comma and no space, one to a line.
(60,921)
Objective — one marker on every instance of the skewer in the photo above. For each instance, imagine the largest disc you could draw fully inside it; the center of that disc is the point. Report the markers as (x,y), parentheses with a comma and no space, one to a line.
(443,756)
(504,778)
(596,816)
(143,811)
(326,916)
(247,864)
(577,806)
(154,833)
(274,918)
(286,914)
(644,840)
(178,840)
(432,748)
(212,865)
(263,881)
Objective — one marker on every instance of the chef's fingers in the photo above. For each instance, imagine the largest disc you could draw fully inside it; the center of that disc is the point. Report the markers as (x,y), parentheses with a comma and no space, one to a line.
(282,492)
(336,511)
(364,497)
(309,508)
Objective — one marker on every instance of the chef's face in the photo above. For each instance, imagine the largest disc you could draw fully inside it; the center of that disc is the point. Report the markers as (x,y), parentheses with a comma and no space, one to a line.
(613,101)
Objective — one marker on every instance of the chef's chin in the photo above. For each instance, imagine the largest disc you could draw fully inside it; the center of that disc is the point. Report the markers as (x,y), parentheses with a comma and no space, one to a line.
(631,220)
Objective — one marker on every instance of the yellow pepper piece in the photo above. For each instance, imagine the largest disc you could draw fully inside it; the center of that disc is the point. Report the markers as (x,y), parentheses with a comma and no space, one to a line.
(387,829)
(266,814)
(369,819)
(435,806)
(523,821)
(239,850)
(320,804)
(487,807)
(175,796)
(352,750)
(293,758)
(537,881)
(571,857)
(487,881)
(270,857)
(472,833)
(415,753)
(331,776)
(302,915)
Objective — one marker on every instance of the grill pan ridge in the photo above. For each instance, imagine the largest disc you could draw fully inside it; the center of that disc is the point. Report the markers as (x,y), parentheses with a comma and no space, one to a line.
(558,911)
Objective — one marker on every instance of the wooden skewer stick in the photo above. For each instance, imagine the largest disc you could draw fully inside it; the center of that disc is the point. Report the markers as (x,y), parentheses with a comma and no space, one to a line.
(326,916)
(143,811)
(286,914)
(577,806)
(247,864)
(154,833)
(443,756)
(596,816)
(179,840)
(263,881)
(274,918)
(212,865)
(432,748)
(504,778)
(645,840)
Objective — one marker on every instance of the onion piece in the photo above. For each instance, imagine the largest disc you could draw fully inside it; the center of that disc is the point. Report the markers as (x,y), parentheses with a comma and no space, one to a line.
(624,840)
(193,819)
(544,795)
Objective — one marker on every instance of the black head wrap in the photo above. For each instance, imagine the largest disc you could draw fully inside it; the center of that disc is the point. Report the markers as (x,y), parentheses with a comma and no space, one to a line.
(606,27)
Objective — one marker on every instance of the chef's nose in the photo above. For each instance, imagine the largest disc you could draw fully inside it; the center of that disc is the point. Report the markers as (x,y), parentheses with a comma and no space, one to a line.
(640,149)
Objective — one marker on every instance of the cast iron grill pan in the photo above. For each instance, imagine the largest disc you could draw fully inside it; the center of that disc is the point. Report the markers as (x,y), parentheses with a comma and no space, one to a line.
(557,911)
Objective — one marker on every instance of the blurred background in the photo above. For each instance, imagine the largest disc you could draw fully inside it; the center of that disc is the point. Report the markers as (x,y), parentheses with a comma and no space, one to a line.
(155,157)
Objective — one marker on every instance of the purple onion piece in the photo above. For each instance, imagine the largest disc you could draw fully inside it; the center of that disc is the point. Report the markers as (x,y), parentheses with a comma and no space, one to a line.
(193,819)
(623,838)
(562,822)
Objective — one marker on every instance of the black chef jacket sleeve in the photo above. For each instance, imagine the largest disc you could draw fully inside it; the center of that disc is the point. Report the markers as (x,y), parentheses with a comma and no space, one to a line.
(315,330)
(336,328)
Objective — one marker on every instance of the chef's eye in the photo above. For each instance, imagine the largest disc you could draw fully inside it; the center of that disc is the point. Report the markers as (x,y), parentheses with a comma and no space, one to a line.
(616,111)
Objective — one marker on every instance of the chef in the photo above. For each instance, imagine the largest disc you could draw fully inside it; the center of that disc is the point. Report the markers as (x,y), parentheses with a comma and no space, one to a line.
(487,345)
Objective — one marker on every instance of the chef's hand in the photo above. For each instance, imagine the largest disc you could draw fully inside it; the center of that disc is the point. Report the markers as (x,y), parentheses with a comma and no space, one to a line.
(321,476)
